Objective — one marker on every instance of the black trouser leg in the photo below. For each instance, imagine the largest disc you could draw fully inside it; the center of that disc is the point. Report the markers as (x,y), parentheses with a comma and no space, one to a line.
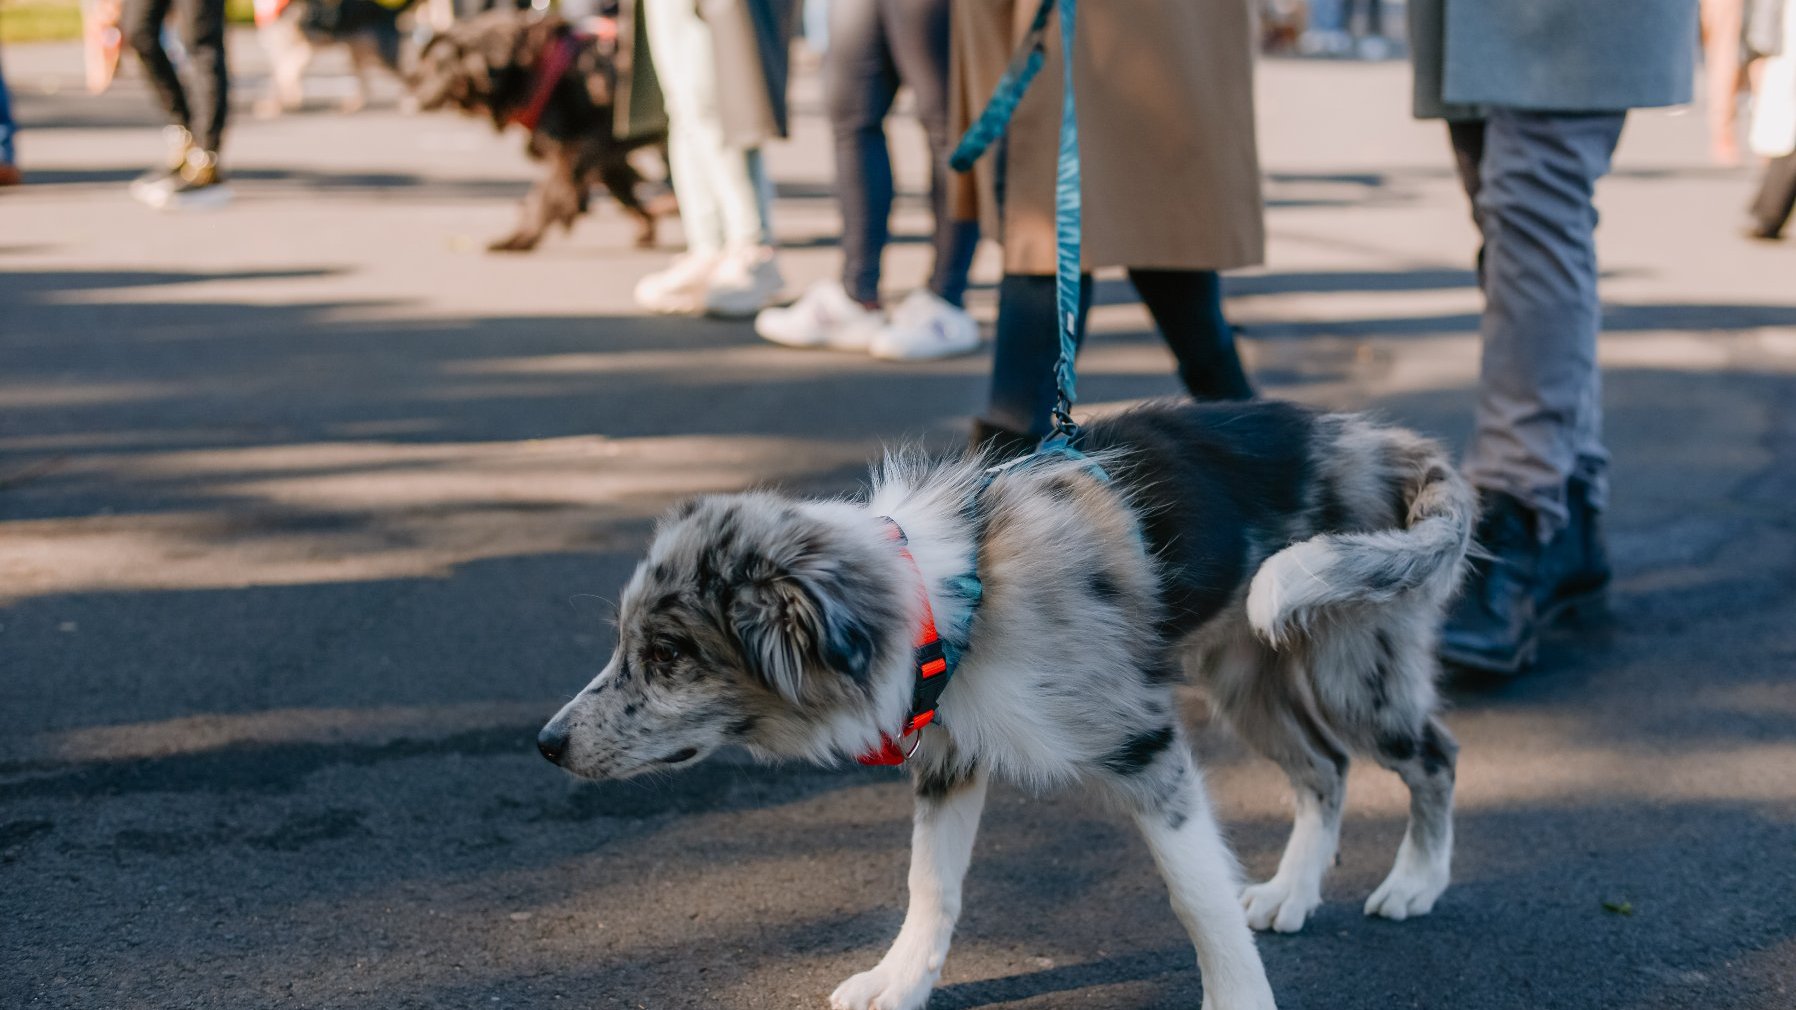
(1187,307)
(211,75)
(1777,196)
(1025,350)
(141,21)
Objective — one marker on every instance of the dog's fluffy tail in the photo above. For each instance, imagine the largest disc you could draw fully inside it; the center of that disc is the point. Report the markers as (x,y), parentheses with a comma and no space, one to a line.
(1307,579)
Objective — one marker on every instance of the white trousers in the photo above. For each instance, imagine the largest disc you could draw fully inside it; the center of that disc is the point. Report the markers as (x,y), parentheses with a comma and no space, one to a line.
(725,193)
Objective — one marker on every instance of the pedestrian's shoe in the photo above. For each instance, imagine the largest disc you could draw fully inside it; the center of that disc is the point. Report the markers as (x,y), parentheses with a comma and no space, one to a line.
(1374,48)
(1523,585)
(1577,577)
(152,186)
(10,174)
(824,316)
(678,290)
(925,327)
(1758,231)
(746,280)
(197,186)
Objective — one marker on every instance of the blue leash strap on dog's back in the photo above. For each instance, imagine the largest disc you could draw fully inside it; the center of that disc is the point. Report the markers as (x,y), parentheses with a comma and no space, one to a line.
(1067,204)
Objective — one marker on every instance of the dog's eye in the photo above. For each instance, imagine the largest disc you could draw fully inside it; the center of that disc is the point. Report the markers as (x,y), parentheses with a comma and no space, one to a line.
(662,653)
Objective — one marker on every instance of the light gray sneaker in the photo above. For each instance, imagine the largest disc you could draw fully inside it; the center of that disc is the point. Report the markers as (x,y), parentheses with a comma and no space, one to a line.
(152,186)
(746,281)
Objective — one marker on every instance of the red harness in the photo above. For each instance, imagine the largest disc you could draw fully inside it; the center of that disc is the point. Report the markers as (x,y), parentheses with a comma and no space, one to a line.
(931,665)
(549,70)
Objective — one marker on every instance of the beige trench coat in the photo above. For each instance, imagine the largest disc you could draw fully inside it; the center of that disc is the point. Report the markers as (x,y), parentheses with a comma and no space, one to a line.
(1166,134)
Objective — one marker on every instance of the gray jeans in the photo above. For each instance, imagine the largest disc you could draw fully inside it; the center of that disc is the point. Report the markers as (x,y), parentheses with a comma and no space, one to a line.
(875,46)
(1531,177)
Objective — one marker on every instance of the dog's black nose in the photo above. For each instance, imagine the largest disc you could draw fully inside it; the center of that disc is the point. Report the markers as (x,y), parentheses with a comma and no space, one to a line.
(552,742)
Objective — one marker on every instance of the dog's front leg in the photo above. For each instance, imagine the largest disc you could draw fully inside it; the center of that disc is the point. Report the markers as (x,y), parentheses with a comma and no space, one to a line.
(1173,813)
(554,200)
(947,818)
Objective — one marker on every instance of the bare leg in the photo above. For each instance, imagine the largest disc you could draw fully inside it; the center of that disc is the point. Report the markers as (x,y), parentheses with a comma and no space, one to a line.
(1202,877)
(941,847)
(1424,863)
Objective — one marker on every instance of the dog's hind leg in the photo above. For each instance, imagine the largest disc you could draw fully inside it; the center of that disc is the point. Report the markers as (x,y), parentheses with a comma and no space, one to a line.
(947,818)
(1161,784)
(1425,758)
(1265,697)
(621,178)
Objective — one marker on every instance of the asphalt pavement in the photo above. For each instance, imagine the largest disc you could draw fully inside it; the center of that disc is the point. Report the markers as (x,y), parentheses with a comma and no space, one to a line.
(310,510)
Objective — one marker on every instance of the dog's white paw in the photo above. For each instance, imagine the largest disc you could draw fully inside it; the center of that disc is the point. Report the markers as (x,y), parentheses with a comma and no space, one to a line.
(882,989)
(1410,890)
(1279,904)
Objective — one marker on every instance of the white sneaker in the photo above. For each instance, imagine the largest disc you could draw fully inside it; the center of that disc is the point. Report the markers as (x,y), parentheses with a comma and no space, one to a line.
(679,289)
(1375,48)
(923,328)
(1324,42)
(824,316)
(745,282)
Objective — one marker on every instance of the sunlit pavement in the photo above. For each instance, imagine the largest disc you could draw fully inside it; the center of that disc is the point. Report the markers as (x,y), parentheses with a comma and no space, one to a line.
(309,511)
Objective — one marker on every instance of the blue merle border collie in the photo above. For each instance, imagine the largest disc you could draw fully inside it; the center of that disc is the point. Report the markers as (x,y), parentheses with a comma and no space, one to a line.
(1295,564)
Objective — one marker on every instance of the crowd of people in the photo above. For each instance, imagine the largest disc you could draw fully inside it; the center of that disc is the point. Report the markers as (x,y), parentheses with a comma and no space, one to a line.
(1534,106)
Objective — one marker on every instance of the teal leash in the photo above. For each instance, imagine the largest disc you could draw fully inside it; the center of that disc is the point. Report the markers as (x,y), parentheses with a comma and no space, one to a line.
(1068,209)
(991,124)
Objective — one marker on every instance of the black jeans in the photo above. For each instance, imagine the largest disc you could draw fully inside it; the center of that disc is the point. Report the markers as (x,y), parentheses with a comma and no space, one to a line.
(204,36)
(1187,309)
(1777,196)
(874,47)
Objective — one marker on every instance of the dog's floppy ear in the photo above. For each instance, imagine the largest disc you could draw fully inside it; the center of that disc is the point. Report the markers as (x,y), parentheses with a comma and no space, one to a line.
(798,621)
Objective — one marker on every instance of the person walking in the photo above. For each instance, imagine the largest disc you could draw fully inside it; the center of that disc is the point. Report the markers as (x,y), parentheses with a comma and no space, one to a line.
(874,47)
(1773,133)
(1535,93)
(720,67)
(9,166)
(189,175)
(1170,184)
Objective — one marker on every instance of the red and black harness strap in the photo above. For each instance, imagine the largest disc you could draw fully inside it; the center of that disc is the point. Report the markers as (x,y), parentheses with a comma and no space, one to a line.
(550,66)
(930,660)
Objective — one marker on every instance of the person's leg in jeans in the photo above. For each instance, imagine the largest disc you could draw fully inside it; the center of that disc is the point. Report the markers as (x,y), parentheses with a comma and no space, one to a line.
(860,81)
(8,155)
(1536,453)
(205,39)
(1776,198)
(917,33)
(1187,308)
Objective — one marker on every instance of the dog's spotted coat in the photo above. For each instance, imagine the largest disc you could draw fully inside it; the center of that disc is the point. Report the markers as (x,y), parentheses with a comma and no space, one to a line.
(1295,564)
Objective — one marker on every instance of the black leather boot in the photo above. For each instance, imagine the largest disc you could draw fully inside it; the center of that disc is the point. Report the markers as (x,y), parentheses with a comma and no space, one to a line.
(1510,598)
(1576,579)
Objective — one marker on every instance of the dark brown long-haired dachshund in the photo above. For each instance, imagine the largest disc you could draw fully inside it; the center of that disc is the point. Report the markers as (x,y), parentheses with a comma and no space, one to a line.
(538,72)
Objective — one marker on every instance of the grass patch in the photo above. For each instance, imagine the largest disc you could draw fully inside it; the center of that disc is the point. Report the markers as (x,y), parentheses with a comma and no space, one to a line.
(60,20)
